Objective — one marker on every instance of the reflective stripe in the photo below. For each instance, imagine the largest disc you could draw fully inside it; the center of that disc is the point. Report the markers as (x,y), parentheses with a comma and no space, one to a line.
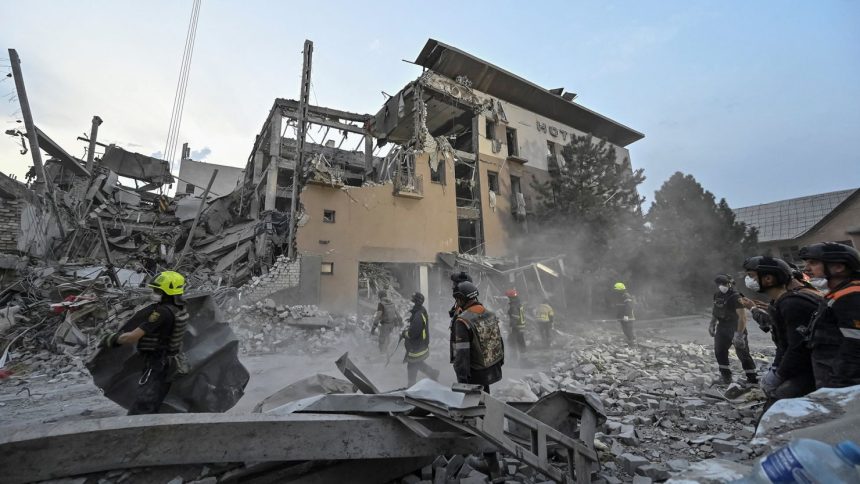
(462,346)
(850,333)
(724,367)
(750,372)
(420,353)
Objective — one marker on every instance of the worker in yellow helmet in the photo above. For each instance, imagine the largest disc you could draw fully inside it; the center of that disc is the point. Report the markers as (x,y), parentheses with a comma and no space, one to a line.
(623,303)
(545,319)
(157,330)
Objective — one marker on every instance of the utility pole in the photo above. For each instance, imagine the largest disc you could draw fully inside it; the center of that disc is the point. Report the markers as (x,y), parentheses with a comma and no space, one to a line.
(41,179)
(300,143)
(42,186)
(91,151)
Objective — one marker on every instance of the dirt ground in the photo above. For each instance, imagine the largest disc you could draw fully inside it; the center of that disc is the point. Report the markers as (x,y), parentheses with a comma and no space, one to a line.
(34,398)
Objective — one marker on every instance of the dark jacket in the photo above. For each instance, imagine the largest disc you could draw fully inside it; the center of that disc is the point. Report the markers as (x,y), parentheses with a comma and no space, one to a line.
(789,312)
(158,322)
(417,335)
(623,303)
(516,313)
(726,307)
(838,325)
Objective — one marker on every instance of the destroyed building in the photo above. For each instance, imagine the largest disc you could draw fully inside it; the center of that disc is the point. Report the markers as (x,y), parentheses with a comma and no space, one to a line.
(442,179)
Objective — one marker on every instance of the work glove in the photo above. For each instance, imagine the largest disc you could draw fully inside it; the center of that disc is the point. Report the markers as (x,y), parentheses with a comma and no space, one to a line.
(712,329)
(771,381)
(110,340)
(373,330)
(739,341)
(626,318)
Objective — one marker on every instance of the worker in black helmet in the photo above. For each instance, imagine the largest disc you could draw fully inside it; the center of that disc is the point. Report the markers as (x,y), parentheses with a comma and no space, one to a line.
(728,327)
(457,278)
(477,350)
(416,339)
(792,305)
(834,333)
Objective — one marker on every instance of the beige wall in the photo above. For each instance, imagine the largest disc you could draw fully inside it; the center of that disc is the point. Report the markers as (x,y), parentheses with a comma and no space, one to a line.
(373,225)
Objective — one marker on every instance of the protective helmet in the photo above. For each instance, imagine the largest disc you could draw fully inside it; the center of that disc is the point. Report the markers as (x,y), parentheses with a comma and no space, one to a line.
(512,293)
(169,282)
(466,290)
(418,298)
(382,294)
(619,286)
(832,252)
(458,277)
(764,265)
(724,279)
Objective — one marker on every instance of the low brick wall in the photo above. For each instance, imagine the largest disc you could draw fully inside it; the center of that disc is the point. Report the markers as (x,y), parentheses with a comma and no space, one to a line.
(10,222)
(282,275)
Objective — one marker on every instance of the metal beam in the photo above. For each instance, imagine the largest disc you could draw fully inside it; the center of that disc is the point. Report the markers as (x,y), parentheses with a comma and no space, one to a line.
(293,105)
(34,453)
(307,58)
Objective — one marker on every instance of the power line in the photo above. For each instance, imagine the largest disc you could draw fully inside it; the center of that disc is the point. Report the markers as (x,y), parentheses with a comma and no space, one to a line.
(171,142)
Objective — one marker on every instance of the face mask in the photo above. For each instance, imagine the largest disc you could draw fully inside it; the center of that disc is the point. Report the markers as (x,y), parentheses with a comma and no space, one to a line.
(752,283)
(723,289)
(156,298)
(819,283)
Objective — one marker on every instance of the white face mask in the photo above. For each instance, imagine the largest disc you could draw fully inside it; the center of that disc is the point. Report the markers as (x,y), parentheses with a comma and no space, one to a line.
(154,297)
(819,283)
(723,289)
(752,283)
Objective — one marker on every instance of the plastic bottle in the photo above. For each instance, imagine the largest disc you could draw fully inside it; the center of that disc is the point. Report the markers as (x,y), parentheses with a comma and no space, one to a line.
(808,461)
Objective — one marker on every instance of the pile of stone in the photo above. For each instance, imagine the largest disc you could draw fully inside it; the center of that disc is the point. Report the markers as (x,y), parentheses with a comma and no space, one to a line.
(265,327)
(663,408)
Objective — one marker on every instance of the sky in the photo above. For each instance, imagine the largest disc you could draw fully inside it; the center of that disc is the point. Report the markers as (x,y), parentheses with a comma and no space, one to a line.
(760,101)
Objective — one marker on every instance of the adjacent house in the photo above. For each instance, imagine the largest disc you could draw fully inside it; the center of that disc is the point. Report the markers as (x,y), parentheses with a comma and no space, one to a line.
(787,225)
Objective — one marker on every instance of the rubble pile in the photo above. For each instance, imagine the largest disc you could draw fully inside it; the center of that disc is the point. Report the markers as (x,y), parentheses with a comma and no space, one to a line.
(663,410)
(42,337)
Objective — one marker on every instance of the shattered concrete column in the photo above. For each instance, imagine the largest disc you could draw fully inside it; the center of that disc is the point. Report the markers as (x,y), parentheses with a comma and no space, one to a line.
(274,154)
(258,174)
(423,284)
(91,151)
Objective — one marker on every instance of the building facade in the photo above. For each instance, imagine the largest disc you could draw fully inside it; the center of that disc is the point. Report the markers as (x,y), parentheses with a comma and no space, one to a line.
(195,175)
(443,179)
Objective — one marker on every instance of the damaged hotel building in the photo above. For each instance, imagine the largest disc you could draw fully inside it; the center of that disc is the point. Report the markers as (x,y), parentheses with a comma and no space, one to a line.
(464,142)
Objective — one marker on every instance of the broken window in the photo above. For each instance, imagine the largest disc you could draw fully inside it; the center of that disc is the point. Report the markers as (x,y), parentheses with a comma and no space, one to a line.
(551,154)
(189,189)
(491,129)
(282,204)
(438,176)
(467,231)
(285,177)
(515,184)
(511,138)
(327,268)
(328,216)
(493,181)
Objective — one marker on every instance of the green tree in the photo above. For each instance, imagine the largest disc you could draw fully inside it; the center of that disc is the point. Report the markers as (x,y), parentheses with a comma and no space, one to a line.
(691,238)
(590,211)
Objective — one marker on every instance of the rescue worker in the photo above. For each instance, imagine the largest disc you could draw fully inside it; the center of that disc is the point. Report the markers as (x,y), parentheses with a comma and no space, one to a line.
(517,324)
(386,319)
(623,303)
(834,333)
(729,327)
(477,350)
(792,305)
(158,331)
(545,319)
(416,338)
